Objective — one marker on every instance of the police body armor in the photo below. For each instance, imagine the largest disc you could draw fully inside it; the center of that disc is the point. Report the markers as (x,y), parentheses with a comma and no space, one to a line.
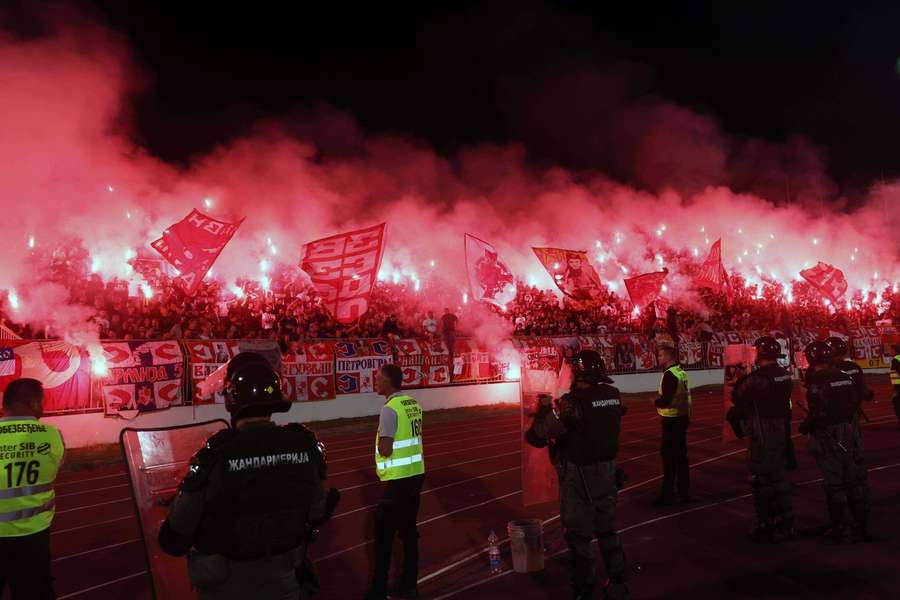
(771,393)
(855,372)
(268,480)
(832,398)
(592,418)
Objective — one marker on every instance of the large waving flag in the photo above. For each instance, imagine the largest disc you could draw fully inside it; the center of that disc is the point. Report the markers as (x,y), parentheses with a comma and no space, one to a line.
(829,280)
(571,272)
(489,277)
(343,269)
(193,244)
(644,289)
(712,274)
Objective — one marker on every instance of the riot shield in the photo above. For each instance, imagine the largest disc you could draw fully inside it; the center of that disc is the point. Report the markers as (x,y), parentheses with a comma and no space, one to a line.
(739,360)
(539,481)
(157,461)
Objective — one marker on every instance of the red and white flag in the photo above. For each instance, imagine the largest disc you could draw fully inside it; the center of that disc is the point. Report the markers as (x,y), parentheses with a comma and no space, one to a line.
(193,244)
(829,280)
(645,288)
(489,277)
(712,274)
(343,269)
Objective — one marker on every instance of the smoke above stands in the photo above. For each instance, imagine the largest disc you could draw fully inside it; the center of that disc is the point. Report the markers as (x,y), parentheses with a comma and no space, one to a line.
(72,176)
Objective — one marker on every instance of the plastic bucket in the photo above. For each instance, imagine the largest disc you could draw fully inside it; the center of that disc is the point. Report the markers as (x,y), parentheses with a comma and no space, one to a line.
(526,540)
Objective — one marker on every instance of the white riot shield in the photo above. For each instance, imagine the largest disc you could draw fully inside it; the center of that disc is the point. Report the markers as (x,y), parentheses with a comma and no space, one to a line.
(157,461)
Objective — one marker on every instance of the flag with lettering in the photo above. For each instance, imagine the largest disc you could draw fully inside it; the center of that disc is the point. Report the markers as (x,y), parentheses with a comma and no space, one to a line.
(343,269)
(489,277)
(193,244)
(645,288)
(829,280)
(571,271)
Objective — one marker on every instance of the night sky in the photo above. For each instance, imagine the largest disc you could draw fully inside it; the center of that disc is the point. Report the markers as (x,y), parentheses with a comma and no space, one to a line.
(546,74)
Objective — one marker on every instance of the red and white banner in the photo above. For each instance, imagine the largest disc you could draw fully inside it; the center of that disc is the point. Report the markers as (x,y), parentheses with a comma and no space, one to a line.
(690,351)
(309,375)
(204,357)
(489,277)
(571,271)
(357,363)
(62,368)
(343,269)
(715,351)
(538,353)
(193,244)
(712,274)
(604,345)
(645,288)
(142,376)
(424,362)
(472,361)
(829,280)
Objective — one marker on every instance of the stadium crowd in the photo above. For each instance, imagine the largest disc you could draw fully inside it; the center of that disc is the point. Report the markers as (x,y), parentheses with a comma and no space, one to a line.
(290,311)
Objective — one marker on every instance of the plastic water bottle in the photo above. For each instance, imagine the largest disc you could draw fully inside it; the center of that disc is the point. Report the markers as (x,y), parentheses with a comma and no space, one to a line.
(494,553)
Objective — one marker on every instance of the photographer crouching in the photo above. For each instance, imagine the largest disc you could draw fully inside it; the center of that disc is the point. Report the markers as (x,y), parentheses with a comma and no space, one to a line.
(582,434)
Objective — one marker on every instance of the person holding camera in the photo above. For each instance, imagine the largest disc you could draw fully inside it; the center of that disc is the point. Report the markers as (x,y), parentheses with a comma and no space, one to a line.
(582,434)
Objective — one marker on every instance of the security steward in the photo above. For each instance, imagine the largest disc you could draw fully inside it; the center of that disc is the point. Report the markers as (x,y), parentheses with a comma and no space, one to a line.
(583,438)
(674,406)
(834,442)
(400,464)
(253,496)
(31,453)
(895,380)
(761,412)
(840,351)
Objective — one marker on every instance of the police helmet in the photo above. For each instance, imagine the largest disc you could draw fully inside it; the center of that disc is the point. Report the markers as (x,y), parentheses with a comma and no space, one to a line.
(838,346)
(818,353)
(252,387)
(588,366)
(768,347)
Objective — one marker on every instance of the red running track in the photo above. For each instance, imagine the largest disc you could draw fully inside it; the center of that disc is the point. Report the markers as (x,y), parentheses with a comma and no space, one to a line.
(472,486)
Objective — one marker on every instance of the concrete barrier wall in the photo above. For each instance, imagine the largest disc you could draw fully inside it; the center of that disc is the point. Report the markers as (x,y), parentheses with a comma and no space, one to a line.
(95,428)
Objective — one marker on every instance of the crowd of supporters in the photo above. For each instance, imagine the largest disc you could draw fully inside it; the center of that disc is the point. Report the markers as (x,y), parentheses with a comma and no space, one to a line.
(290,311)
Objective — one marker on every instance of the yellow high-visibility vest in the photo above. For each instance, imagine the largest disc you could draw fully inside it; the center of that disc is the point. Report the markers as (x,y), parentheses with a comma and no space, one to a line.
(30,455)
(895,377)
(407,458)
(681,403)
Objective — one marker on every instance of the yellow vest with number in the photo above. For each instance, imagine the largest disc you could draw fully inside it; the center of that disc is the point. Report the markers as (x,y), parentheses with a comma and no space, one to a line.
(407,459)
(895,377)
(30,455)
(681,403)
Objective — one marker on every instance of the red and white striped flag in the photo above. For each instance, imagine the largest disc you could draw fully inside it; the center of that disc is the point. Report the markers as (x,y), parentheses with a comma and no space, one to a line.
(829,280)
(711,274)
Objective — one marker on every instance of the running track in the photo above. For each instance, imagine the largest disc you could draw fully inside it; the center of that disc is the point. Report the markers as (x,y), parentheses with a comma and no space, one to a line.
(472,486)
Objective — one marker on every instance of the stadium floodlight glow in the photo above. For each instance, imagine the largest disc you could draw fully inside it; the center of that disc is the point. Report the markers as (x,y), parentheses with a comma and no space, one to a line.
(208,202)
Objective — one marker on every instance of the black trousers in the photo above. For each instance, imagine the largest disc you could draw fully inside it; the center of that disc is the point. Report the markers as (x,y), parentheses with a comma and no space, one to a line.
(25,567)
(676,471)
(396,514)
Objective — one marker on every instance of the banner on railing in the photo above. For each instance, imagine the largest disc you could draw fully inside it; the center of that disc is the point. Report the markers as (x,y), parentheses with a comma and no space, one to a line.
(473,362)
(309,375)
(424,362)
(604,346)
(538,353)
(142,376)
(204,357)
(357,363)
(63,369)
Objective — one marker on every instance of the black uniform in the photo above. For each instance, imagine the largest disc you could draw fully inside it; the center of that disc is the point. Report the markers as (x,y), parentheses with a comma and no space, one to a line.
(584,441)
(762,413)
(246,508)
(863,392)
(835,443)
(895,368)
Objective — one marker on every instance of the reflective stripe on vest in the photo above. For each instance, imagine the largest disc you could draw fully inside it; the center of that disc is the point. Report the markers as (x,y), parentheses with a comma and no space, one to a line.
(681,403)
(406,459)
(30,455)
(895,376)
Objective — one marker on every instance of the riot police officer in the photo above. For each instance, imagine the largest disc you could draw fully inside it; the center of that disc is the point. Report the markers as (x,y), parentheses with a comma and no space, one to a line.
(246,509)
(835,444)
(840,351)
(583,438)
(762,411)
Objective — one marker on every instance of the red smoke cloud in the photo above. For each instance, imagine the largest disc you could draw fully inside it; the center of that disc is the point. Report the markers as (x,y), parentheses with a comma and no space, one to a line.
(69,170)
